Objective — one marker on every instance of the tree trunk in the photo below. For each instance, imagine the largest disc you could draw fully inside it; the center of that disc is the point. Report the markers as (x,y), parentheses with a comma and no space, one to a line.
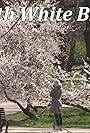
(26,110)
(87,41)
(2,4)
(71,55)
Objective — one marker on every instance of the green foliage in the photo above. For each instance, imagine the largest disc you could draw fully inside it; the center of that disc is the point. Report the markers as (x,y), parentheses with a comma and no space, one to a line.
(80,51)
(72,117)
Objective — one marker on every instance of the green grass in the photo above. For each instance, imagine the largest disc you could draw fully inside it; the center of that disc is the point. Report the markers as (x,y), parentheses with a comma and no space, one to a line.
(72,117)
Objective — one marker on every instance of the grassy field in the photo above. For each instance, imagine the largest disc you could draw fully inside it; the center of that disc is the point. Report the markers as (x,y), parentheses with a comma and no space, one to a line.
(72,117)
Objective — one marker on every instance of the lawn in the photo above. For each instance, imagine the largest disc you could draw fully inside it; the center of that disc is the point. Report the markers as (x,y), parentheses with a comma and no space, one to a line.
(72,117)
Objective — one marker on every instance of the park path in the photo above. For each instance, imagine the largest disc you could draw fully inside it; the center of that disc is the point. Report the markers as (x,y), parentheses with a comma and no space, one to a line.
(9,107)
(44,130)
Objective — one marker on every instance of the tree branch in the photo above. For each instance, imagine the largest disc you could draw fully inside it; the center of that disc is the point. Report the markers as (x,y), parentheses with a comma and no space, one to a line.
(16,21)
(75,105)
(25,110)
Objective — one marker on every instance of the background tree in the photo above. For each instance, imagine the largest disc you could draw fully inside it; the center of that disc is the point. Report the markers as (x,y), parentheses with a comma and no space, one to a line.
(87,33)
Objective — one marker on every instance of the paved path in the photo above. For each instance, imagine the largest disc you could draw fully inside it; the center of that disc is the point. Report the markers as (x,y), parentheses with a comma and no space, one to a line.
(44,130)
(10,107)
